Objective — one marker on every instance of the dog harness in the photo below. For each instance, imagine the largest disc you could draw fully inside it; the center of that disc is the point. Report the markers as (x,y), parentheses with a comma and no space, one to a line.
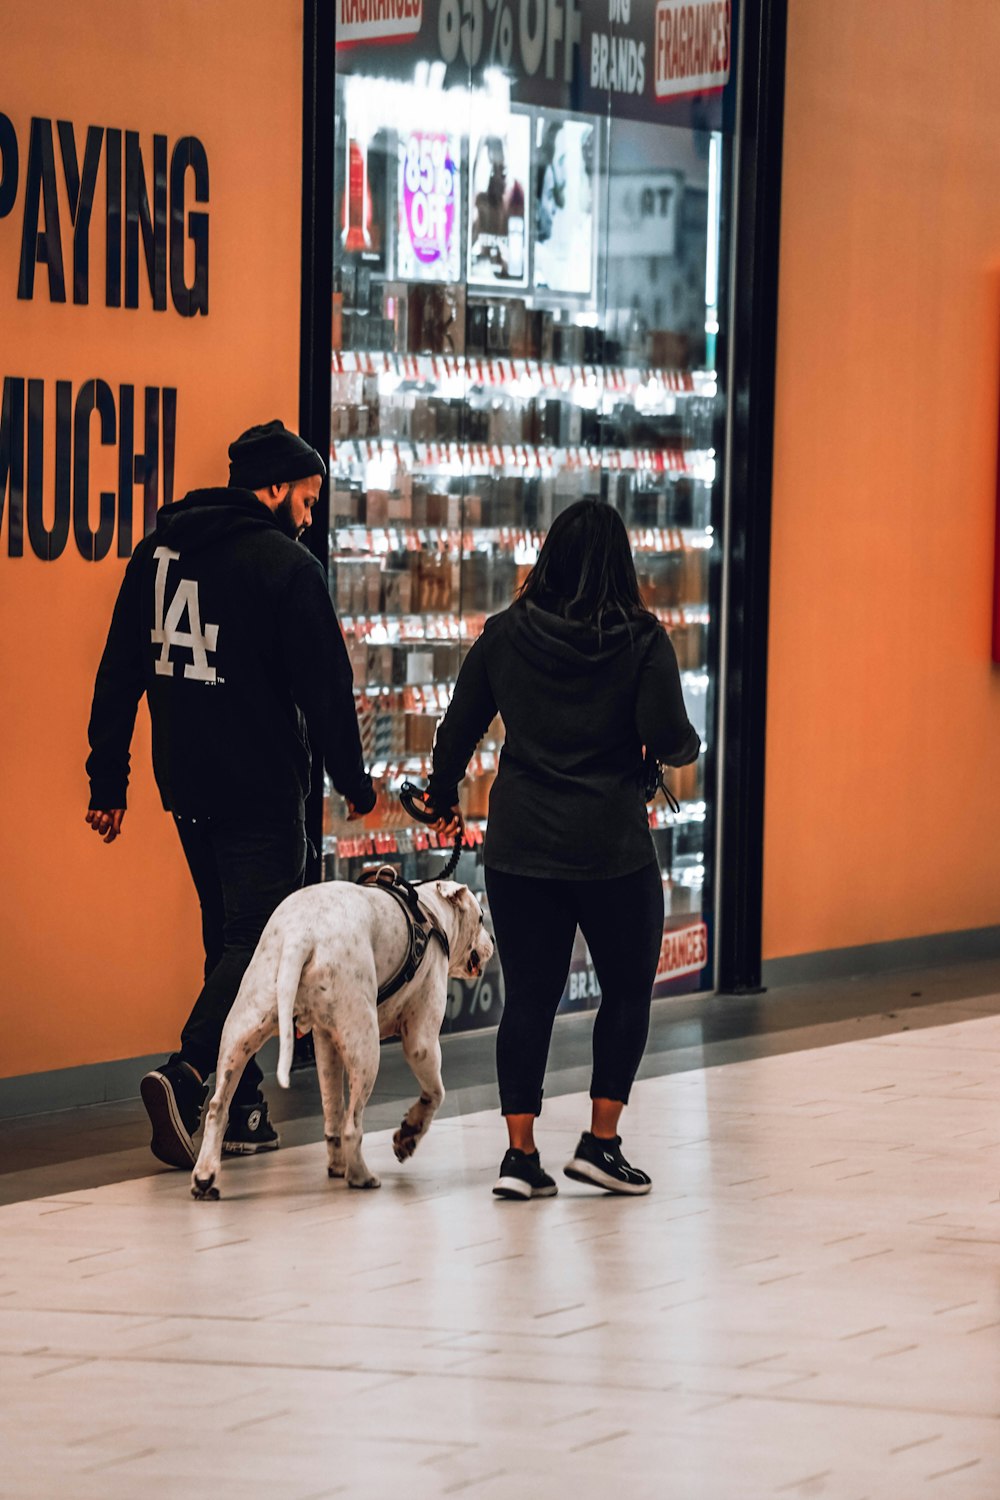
(422,925)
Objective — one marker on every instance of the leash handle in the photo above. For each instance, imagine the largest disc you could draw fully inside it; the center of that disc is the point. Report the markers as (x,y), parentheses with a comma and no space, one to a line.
(414,801)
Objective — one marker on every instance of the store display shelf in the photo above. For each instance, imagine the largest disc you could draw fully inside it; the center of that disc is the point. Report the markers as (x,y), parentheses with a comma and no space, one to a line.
(369,844)
(362,843)
(373,541)
(400,690)
(394,630)
(693,679)
(660,815)
(451,374)
(678,616)
(655,539)
(398,769)
(464,458)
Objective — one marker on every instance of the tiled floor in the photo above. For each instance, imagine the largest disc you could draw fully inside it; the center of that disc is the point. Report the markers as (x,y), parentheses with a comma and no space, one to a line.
(808,1305)
(68,1149)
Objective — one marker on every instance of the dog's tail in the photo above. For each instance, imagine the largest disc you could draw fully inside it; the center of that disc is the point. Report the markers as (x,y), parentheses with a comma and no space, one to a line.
(290,964)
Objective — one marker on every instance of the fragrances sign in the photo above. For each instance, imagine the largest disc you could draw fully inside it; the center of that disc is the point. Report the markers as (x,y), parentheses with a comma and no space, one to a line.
(693,46)
(683,950)
(377,20)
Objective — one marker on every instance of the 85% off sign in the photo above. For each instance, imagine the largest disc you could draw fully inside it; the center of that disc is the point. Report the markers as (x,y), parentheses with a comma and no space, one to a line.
(531,36)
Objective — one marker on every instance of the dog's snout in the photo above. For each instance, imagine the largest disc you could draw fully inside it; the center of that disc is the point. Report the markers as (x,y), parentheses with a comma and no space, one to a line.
(481,954)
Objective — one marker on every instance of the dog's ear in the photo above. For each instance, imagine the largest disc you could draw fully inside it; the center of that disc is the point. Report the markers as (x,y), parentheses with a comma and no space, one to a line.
(455,896)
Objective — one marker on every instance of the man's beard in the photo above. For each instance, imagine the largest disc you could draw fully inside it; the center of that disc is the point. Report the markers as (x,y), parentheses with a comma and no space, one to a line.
(284,518)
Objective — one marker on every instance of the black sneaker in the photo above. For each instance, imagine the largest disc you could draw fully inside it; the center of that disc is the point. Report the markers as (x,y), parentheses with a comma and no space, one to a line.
(600,1162)
(249,1130)
(522,1176)
(173,1098)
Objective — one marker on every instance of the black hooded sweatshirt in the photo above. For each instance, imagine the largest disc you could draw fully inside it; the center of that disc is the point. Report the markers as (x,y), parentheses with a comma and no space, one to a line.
(578,705)
(227,625)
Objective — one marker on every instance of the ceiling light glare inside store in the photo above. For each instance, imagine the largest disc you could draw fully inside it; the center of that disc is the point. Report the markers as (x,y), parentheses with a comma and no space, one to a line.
(375,104)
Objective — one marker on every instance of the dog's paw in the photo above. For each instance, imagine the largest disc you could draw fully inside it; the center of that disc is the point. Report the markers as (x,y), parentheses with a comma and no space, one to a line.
(365,1182)
(404,1142)
(203,1189)
(335,1157)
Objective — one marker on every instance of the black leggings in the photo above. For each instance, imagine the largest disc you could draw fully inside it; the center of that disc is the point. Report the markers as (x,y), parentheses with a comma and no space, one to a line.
(535,922)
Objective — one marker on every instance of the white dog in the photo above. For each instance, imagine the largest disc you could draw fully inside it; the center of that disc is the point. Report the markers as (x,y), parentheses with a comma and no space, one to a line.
(322,962)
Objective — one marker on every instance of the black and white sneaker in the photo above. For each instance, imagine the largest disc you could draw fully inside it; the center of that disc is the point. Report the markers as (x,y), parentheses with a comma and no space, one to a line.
(522,1176)
(249,1130)
(600,1162)
(173,1098)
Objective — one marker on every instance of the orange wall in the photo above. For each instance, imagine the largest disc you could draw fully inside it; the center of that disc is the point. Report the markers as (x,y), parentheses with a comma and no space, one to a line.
(883,800)
(99,946)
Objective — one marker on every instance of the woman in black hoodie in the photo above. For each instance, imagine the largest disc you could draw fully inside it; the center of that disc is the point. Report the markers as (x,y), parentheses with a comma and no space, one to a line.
(585,679)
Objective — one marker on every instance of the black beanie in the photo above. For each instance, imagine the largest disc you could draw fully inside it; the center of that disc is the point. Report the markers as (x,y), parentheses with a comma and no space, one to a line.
(270,454)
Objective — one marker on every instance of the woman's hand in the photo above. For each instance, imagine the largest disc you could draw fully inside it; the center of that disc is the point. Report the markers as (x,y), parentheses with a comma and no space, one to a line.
(451,826)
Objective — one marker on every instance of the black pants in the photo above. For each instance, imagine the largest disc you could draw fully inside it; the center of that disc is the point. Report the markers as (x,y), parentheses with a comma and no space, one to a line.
(242,867)
(535,923)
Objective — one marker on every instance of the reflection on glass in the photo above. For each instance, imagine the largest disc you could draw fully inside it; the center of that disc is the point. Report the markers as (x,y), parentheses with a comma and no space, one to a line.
(526,311)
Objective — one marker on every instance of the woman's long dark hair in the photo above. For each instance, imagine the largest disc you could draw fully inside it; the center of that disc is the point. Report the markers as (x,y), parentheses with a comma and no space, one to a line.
(585,569)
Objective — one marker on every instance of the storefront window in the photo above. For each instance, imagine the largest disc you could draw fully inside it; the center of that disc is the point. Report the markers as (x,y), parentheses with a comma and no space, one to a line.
(529,245)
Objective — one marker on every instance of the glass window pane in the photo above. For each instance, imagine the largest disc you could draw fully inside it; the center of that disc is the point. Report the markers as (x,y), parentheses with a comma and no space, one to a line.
(529,249)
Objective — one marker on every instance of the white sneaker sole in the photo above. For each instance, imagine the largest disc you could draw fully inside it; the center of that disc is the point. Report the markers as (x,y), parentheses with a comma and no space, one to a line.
(248,1148)
(585,1171)
(516,1187)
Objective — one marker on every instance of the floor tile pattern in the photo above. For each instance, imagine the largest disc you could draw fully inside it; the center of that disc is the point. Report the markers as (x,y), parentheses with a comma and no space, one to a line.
(807,1305)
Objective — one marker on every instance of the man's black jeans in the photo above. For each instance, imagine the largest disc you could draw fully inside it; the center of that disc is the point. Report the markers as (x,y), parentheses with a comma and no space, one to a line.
(242,867)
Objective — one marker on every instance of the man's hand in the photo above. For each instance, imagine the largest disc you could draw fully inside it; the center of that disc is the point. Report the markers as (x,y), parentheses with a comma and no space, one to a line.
(107,824)
(367,798)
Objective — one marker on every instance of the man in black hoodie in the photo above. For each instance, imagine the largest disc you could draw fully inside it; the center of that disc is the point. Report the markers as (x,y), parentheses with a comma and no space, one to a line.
(227,626)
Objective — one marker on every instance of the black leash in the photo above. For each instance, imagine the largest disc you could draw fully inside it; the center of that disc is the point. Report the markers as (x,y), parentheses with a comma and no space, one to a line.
(654,773)
(415,803)
(423,926)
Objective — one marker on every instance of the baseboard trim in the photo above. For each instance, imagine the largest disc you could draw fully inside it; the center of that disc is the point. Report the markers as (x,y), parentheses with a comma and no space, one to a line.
(936,950)
(92,1083)
(111,1082)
